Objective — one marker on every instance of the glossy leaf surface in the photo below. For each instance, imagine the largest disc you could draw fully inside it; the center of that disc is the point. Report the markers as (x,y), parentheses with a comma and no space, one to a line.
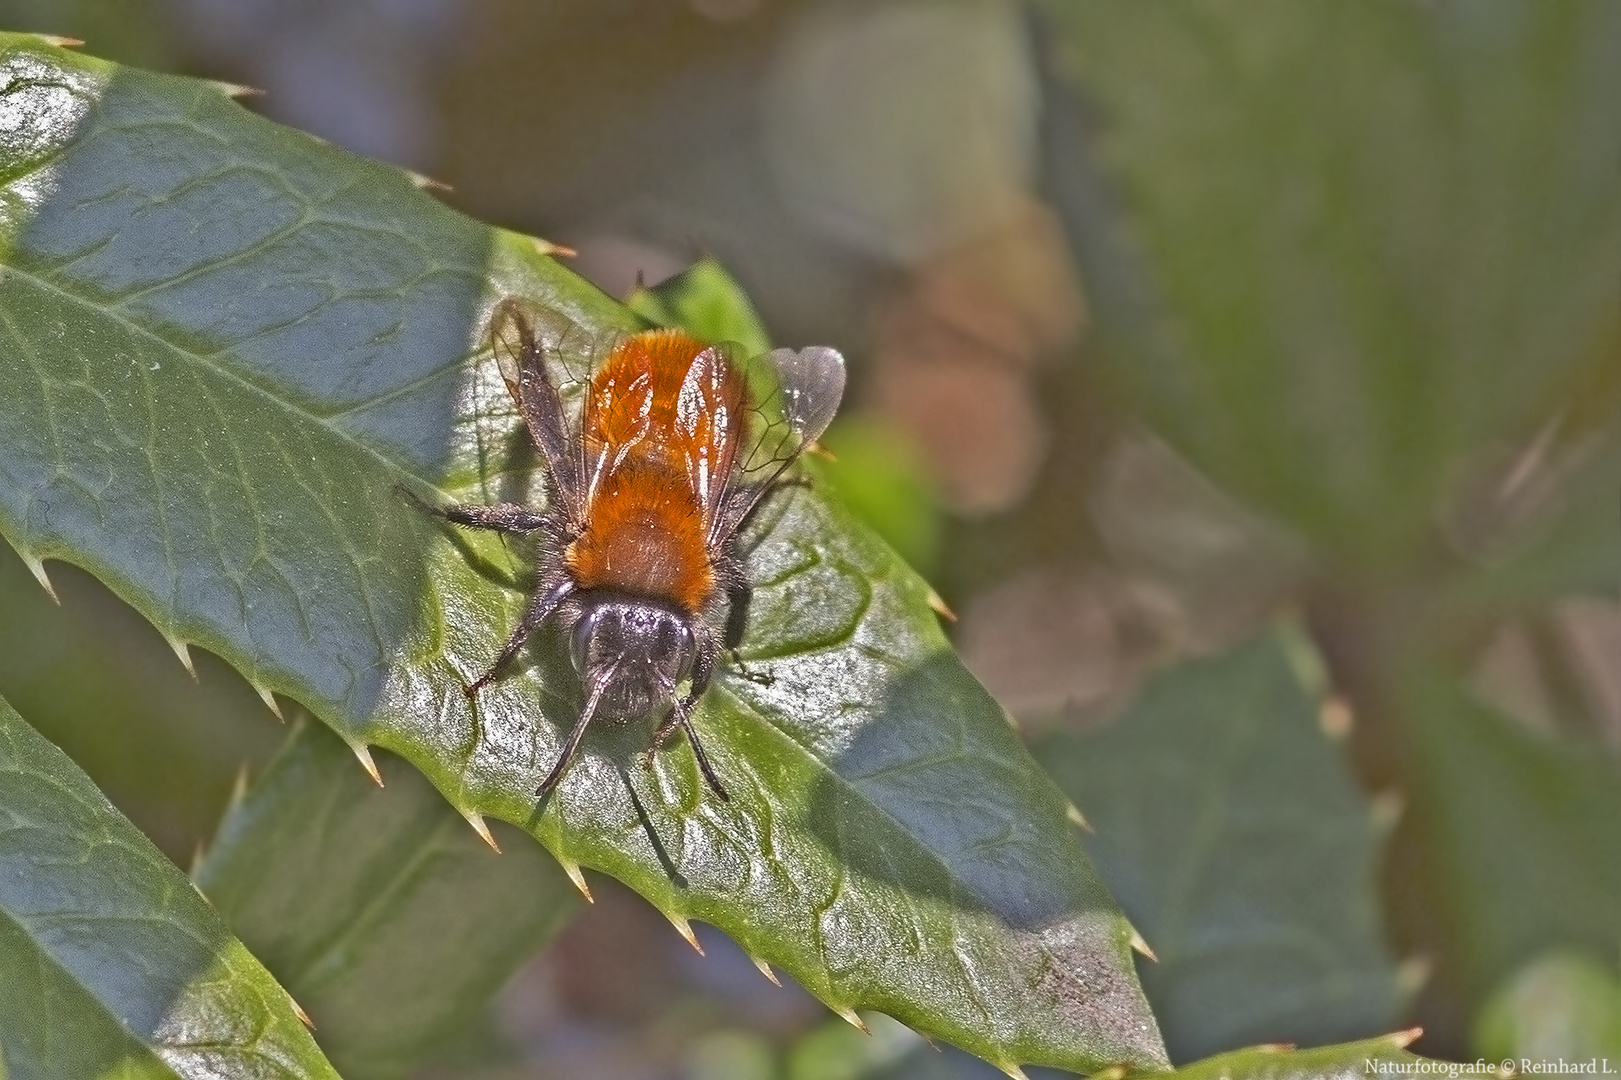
(110,963)
(228,343)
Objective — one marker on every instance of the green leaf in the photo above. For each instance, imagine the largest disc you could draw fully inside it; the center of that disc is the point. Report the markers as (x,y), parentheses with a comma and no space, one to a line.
(1234,834)
(381,911)
(1385,1056)
(1382,1057)
(1360,242)
(1561,1006)
(705,301)
(1522,835)
(227,343)
(110,963)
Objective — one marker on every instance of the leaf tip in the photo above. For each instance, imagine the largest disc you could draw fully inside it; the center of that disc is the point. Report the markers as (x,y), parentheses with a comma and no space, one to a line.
(59,41)
(1077,818)
(36,566)
(765,969)
(572,869)
(1401,1040)
(1412,974)
(684,928)
(239,788)
(1012,1070)
(476,820)
(363,753)
(940,607)
(197,855)
(1386,810)
(426,183)
(1141,946)
(1335,718)
(546,247)
(268,696)
(848,1015)
(1113,1072)
(1273,1048)
(298,1011)
(236,90)
(182,652)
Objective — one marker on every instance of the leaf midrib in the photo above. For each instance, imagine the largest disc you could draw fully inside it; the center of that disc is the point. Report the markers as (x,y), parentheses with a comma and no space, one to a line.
(46,957)
(205,363)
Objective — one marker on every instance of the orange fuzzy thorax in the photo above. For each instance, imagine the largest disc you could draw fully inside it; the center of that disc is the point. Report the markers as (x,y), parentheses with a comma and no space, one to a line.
(670,429)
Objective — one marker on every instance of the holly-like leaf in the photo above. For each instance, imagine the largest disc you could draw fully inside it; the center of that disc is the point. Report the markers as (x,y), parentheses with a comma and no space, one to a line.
(380,910)
(705,301)
(1232,830)
(227,343)
(110,963)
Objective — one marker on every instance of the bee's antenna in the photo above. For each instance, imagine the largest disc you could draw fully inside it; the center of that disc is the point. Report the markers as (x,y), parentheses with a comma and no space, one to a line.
(598,686)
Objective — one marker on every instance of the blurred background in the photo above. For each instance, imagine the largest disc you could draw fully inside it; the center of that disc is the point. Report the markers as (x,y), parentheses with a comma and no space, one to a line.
(1167,322)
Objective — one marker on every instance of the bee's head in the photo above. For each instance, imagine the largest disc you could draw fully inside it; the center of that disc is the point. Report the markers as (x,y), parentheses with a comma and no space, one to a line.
(633,650)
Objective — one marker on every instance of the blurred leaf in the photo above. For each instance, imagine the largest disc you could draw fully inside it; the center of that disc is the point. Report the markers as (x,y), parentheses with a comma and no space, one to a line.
(1381,1057)
(836,1051)
(233,343)
(110,963)
(1561,1007)
(1360,241)
(97,680)
(707,302)
(880,477)
(1234,835)
(382,912)
(1521,834)
(1574,542)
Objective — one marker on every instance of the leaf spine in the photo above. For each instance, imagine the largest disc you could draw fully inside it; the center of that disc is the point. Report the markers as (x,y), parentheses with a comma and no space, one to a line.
(183,652)
(476,820)
(684,928)
(572,869)
(849,1016)
(37,568)
(363,752)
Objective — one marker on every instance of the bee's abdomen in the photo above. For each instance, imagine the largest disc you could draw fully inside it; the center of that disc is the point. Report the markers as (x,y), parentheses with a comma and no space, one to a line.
(645,535)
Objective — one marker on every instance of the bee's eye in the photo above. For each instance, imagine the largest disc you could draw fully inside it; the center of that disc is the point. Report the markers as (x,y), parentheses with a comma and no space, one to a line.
(580,640)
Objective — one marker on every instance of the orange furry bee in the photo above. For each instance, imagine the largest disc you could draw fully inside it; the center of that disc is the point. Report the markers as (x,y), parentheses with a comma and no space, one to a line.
(673,444)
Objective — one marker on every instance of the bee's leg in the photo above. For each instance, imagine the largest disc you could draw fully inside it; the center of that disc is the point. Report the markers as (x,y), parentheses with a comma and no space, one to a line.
(739,593)
(544,604)
(681,716)
(502,517)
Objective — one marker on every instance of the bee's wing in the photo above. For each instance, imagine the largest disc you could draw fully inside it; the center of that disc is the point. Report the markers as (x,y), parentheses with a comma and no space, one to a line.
(520,353)
(796,394)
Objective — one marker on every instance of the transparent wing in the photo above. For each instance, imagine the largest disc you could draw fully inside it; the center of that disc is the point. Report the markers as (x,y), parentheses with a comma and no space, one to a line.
(518,337)
(797,393)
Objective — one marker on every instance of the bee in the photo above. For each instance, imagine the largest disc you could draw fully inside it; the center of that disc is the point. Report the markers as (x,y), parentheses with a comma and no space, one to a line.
(672,446)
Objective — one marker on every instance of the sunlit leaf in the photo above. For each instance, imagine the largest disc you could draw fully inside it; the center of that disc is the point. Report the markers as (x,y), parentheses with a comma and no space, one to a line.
(227,343)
